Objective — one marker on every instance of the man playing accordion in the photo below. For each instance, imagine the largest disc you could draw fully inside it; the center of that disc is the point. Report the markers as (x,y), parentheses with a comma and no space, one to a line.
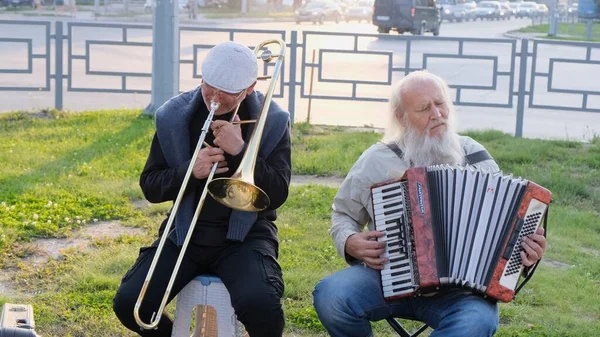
(421,132)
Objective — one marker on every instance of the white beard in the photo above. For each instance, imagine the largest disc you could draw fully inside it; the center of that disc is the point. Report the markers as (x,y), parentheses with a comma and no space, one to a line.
(423,150)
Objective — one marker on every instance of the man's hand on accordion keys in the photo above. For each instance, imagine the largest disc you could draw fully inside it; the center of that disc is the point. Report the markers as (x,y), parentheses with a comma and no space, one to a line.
(534,247)
(365,247)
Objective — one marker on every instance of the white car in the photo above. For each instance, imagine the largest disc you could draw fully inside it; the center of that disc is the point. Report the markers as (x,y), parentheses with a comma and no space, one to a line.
(149,5)
(527,9)
(542,10)
(361,10)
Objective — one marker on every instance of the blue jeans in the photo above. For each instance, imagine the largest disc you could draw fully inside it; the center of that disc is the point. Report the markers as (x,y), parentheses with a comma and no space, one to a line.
(347,300)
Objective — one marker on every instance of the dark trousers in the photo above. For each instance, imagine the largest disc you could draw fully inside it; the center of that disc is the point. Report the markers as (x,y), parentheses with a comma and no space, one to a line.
(249,270)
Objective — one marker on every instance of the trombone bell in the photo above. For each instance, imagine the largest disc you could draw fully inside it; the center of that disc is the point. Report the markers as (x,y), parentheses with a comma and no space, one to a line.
(238,194)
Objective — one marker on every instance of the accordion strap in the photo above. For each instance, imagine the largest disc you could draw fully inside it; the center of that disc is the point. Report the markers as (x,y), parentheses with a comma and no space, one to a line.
(394,147)
(530,273)
(471,158)
(476,157)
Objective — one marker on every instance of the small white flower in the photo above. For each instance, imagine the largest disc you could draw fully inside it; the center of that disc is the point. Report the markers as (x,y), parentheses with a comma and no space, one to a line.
(49,221)
(3,204)
(12,207)
(79,222)
(67,219)
(95,220)
(35,216)
(55,205)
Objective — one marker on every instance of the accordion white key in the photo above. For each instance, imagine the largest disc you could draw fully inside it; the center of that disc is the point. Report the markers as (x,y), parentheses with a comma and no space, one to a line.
(450,226)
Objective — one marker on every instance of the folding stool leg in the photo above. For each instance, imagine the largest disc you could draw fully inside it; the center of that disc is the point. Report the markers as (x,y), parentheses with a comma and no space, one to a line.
(401,331)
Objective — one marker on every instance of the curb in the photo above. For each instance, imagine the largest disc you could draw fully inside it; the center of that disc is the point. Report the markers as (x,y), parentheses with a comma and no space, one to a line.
(328,181)
(519,36)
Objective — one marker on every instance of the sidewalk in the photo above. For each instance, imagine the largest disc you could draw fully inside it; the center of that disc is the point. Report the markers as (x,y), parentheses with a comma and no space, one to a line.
(87,14)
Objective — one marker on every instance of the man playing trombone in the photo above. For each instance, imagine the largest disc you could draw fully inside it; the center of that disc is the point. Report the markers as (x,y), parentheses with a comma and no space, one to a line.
(239,247)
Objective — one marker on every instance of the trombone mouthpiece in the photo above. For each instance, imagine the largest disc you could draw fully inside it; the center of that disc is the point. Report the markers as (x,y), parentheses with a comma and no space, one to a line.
(214,105)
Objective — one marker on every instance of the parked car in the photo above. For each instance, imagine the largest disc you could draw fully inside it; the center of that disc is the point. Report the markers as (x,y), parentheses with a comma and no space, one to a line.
(17,3)
(489,10)
(527,9)
(450,10)
(456,10)
(150,5)
(542,10)
(319,11)
(361,10)
(470,9)
(573,9)
(415,16)
(514,6)
(344,4)
(508,11)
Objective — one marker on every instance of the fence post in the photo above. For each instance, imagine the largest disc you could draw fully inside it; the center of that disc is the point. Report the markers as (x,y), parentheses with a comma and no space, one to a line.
(310,90)
(165,54)
(292,84)
(553,17)
(522,87)
(58,72)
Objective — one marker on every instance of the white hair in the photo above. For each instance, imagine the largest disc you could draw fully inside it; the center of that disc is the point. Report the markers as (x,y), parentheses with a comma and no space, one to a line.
(422,150)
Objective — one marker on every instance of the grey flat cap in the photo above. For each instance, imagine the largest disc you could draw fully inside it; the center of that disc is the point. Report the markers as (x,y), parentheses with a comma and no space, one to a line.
(230,67)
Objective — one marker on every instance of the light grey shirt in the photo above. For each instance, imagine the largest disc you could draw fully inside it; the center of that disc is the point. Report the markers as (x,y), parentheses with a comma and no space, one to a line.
(352,205)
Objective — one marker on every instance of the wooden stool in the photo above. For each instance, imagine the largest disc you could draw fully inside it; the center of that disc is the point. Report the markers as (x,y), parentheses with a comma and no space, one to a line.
(214,315)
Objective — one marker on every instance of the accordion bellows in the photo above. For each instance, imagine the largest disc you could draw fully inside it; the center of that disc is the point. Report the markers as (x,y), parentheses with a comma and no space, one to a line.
(451,226)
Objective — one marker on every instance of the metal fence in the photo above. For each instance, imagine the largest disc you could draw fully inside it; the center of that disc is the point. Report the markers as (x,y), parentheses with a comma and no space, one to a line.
(512,66)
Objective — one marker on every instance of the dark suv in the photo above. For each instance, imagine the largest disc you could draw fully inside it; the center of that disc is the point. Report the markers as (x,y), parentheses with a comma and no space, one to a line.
(415,16)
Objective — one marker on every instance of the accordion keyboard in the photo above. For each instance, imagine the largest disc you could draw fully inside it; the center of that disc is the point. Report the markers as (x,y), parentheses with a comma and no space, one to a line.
(390,212)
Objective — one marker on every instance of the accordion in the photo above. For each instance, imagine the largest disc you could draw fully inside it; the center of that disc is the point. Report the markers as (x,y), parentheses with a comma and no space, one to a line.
(450,226)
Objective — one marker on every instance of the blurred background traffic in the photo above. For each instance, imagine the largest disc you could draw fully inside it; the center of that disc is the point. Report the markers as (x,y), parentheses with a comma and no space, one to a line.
(383,16)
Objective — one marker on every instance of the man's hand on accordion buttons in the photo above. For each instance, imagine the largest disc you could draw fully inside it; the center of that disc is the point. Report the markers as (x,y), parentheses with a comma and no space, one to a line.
(534,247)
(365,247)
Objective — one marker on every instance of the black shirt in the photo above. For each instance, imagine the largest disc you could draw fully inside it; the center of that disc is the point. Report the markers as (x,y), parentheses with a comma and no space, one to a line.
(161,183)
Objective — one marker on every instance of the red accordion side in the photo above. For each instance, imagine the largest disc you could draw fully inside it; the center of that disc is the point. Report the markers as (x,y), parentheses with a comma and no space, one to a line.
(424,244)
(495,288)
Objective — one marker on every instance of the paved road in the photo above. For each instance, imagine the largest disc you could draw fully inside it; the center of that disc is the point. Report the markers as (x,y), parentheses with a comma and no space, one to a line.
(338,66)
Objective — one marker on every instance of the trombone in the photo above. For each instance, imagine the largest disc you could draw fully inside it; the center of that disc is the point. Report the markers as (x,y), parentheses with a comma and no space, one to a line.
(237,192)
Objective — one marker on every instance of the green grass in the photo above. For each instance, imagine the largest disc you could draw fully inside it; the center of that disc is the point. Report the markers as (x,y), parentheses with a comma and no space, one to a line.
(88,165)
(566,31)
(327,150)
